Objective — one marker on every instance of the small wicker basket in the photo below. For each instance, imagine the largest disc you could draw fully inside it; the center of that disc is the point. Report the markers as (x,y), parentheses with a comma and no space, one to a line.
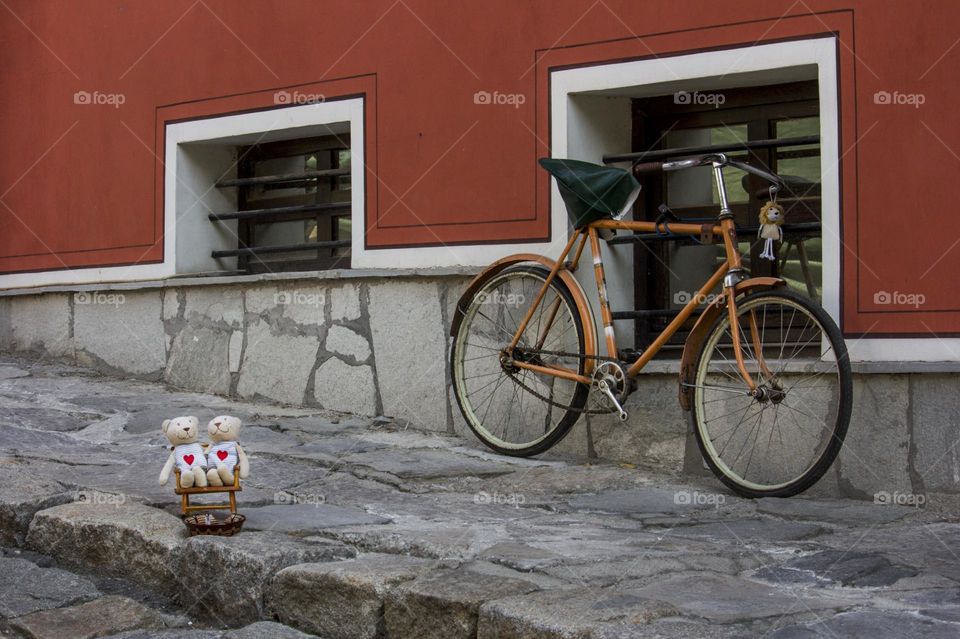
(207,524)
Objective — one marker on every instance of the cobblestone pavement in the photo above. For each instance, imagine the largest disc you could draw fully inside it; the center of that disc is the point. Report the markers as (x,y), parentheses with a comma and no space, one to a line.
(358,528)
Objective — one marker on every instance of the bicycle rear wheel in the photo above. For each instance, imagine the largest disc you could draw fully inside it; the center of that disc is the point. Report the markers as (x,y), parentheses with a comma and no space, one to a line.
(781,440)
(512,410)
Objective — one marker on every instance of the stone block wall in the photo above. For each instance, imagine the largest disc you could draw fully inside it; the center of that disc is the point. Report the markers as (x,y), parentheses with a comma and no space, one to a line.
(366,346)
(378,345)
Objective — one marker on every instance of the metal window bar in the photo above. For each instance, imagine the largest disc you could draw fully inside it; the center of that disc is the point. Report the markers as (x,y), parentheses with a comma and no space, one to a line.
(274,179)
(281,213)
(285,248)
(710,148)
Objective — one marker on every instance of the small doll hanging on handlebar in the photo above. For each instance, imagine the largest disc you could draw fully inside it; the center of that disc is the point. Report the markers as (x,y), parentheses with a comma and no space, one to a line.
(771,218)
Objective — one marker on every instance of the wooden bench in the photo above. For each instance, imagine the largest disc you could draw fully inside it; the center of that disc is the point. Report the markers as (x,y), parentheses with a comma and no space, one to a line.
(186,507)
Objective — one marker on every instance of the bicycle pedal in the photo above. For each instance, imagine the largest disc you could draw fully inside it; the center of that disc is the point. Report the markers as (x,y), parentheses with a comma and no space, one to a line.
(629,354)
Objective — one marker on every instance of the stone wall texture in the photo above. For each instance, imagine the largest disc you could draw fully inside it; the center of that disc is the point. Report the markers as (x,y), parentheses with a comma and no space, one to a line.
(379,346)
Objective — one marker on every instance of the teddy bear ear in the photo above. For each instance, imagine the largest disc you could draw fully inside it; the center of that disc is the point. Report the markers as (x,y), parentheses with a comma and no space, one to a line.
(166,425)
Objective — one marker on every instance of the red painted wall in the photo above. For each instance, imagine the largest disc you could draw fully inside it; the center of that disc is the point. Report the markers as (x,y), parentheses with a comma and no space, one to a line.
(79,182)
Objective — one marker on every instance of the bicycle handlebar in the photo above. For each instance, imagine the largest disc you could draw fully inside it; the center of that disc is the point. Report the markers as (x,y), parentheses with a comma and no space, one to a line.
(643,168)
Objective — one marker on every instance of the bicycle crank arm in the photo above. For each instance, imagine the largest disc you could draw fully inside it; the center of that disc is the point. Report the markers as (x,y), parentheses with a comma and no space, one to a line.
(605,389)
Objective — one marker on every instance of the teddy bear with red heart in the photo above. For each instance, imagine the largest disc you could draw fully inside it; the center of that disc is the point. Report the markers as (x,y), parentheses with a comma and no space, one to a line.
(225,453)
(186,454)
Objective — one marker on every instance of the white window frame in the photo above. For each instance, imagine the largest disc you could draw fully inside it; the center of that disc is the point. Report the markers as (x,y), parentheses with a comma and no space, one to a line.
(286,123)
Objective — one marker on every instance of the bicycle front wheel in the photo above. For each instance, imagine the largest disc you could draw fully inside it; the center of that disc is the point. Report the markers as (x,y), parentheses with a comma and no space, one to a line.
(513,410)
(778,441)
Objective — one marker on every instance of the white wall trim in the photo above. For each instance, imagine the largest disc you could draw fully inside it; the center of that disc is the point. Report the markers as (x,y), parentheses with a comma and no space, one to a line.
(81,275)
(904,349)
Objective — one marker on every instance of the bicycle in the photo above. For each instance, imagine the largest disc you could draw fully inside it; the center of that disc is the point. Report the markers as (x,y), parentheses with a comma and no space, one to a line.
(764,374)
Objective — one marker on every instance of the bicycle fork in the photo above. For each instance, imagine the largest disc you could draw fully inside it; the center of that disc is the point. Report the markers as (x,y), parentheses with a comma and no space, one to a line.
(734,276)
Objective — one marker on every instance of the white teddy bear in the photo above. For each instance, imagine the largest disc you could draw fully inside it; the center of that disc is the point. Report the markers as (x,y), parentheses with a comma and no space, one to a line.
(186,453)
(225,452)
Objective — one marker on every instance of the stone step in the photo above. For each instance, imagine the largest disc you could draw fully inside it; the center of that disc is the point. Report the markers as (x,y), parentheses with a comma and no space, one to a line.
(123,539)
(445,603)
(232,572)
(343,600)
(219,579)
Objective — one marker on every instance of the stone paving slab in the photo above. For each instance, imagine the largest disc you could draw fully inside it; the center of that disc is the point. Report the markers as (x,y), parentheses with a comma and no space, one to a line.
(26,588)
(636,502)
(305,518)
(98,618)
(726,599)
(22,494)
(266,630)
(258,630)
(835,567)
(836,511)
(873,624)
(750,530)
(427,464)
(575,612)
(171,633)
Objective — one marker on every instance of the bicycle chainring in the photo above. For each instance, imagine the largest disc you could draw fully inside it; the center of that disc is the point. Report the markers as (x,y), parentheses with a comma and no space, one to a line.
(617,381)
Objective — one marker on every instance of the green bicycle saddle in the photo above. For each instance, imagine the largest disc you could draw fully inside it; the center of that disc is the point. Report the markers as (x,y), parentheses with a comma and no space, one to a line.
(591,191)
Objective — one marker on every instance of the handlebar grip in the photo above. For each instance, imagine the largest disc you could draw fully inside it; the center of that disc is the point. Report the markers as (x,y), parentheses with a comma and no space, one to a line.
(643,168)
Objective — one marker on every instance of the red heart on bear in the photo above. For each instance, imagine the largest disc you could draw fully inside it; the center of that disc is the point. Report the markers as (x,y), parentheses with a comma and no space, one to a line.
(188,459)
(222,454)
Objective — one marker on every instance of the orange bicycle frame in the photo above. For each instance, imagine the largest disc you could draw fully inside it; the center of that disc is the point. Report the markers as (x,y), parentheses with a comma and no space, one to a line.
(724,229)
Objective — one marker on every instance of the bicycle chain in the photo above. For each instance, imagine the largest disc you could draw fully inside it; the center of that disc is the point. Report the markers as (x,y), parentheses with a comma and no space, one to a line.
(602,358)
(584,411)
